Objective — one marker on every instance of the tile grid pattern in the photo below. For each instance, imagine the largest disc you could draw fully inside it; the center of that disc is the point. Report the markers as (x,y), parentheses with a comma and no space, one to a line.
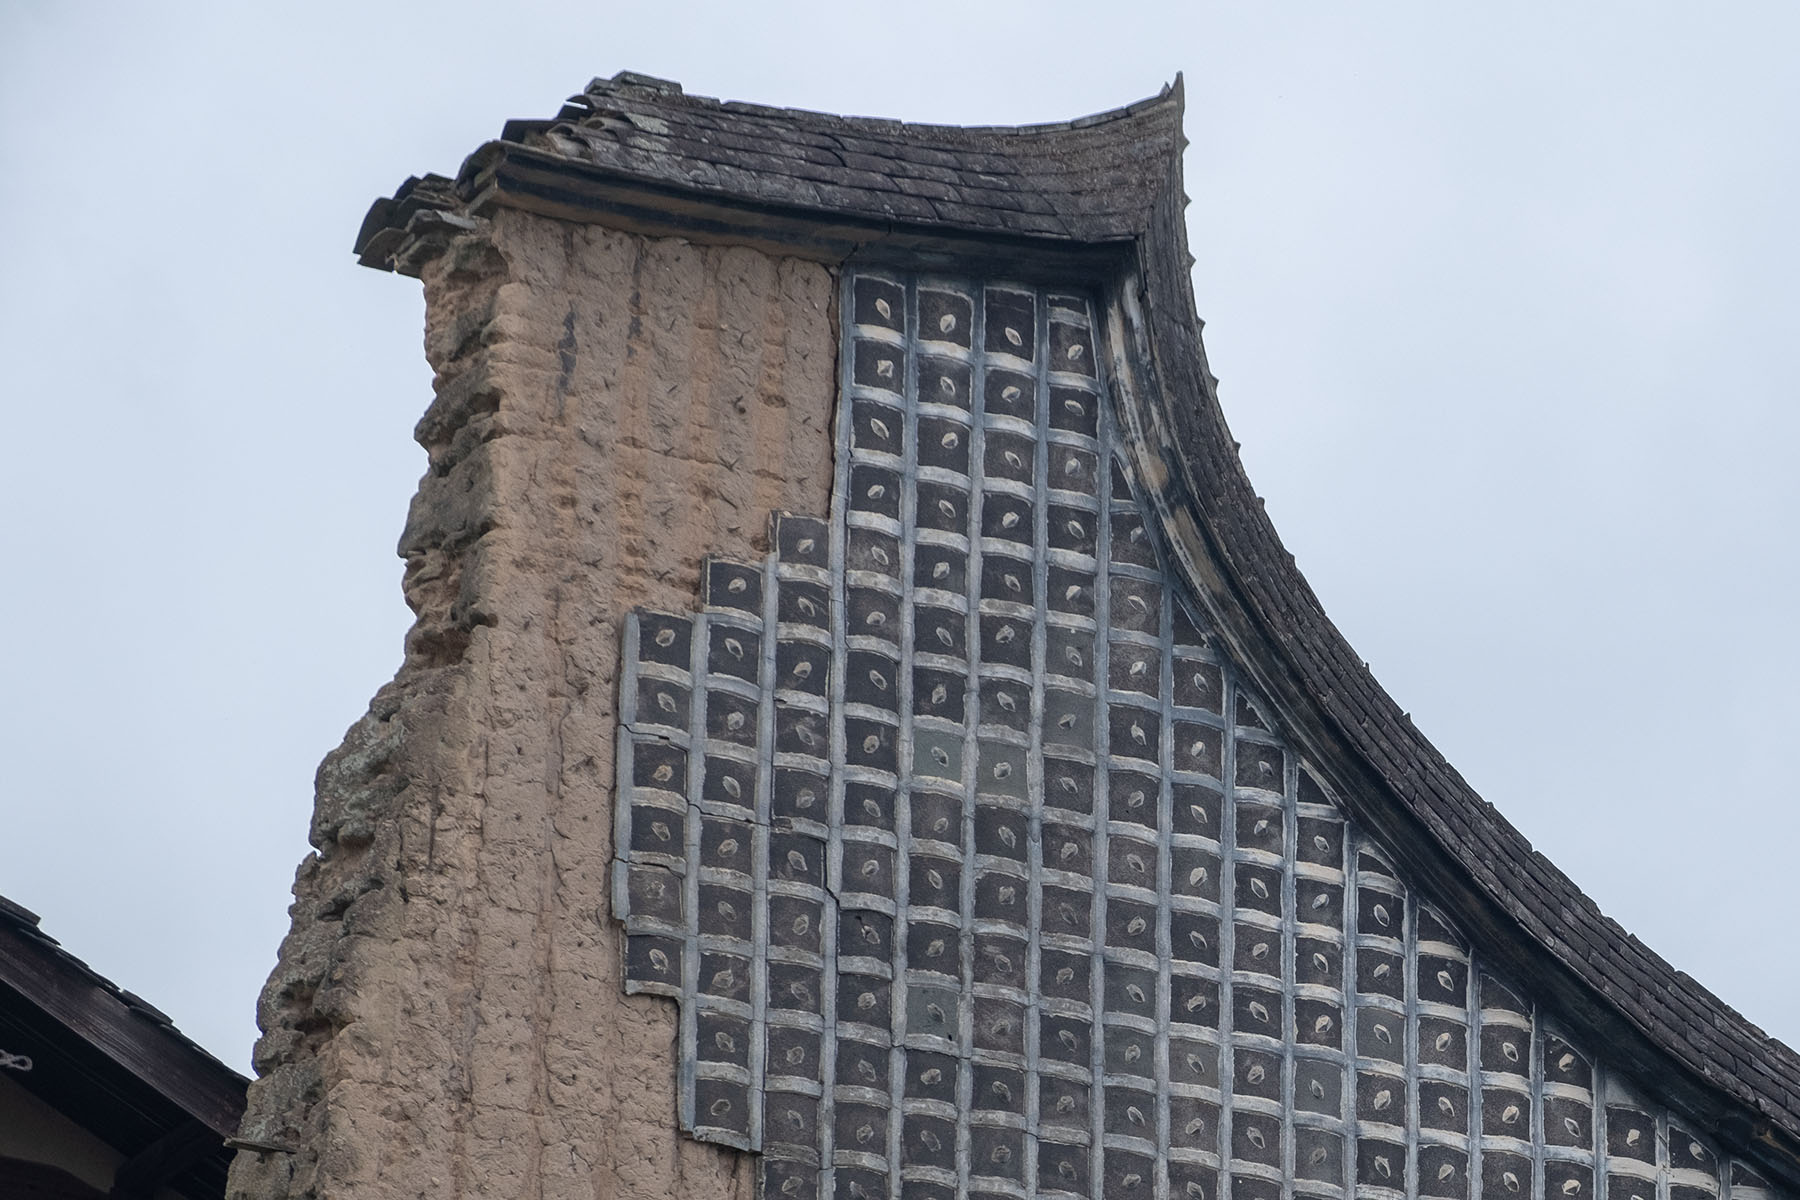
(976,873)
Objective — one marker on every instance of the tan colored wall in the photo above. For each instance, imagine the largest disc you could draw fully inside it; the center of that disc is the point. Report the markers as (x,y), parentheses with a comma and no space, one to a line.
(447,1017)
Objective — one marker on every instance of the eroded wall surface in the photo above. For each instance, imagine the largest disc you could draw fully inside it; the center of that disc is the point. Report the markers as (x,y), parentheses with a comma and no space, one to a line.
(448,1015)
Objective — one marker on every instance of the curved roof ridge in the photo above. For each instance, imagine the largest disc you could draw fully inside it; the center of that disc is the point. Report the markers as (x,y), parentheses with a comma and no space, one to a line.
(670,92)
(1114,179)
(1206,477)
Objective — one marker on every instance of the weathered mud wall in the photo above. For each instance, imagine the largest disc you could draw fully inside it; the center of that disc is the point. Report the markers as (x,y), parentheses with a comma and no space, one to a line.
(448,1017)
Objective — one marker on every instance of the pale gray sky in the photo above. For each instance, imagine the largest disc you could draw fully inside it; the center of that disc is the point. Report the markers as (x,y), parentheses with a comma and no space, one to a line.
(1503,298)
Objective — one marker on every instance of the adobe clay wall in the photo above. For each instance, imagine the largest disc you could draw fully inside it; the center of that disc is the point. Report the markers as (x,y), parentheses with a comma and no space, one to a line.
(447,1017)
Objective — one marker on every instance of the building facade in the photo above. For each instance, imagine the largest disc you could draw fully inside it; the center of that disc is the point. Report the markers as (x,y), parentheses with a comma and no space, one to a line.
(862,737)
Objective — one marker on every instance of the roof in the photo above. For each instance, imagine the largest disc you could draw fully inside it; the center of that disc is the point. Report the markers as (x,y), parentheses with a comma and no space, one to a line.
(110,1061)
(632,142)
(1104,194)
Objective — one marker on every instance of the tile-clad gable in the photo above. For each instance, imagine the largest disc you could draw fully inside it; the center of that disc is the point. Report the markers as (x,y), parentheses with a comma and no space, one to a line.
(1115,179)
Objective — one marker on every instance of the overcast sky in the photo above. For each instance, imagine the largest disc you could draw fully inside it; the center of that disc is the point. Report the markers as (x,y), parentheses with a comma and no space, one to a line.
(1503,299)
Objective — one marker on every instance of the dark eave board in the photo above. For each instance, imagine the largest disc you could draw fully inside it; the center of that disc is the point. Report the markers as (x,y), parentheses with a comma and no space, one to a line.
(112,1063)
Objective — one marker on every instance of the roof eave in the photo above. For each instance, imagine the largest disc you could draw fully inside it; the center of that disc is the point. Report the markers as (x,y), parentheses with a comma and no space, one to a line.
(400,232)
(140,1045)
(1388,774)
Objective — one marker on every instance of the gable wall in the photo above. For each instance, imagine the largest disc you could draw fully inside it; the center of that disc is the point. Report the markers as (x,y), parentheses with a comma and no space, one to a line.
(450,1016)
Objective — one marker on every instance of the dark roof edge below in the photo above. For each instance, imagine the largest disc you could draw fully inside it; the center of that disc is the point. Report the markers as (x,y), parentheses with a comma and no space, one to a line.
(1688,1048)
(140,1040)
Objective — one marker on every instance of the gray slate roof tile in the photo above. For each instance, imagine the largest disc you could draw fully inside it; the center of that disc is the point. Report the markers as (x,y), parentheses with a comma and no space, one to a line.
(1073,180)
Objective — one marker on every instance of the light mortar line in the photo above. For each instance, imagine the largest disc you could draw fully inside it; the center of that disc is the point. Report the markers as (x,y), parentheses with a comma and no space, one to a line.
(1535,1065)
(965,1072)
(624,768)
(1034,762)
(1409,942)
(690,951)
(1597,1084)
(903,750)
(1663,1156)
(840,501)
(1352,839)
(1227,922)
(1475,1112)
(1102,809)
(759,850)
(1290,916)
(1165,827)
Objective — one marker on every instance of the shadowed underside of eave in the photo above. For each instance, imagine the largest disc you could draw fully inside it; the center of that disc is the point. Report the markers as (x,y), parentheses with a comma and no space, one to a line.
(1102,198)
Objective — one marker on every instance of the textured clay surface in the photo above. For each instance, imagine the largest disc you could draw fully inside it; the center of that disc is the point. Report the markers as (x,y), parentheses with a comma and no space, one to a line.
(448,1016)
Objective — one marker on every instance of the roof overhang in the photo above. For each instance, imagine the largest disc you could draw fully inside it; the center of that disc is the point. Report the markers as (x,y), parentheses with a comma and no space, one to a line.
(115,1065)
